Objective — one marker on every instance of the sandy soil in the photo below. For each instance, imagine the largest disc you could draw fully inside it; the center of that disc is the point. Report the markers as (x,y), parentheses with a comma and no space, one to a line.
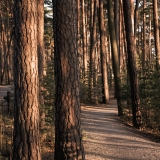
(106,138)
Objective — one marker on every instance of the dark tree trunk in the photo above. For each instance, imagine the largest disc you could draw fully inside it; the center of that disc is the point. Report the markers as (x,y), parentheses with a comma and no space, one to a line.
(68,138)
(40,47)
(131,62)
(115,56)
(26,112)
(40,37)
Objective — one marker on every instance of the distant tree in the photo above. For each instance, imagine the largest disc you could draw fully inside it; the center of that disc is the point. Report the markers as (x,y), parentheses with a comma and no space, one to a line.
(84,28)
(105,87)
(144,35)
(26,111)
(6,37)
(156,31)
(93,26)
(79,28)
(68,138)
(40,46)
(136,11)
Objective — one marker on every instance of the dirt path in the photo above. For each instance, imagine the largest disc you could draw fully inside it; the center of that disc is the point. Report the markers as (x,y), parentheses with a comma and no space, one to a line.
(106,138)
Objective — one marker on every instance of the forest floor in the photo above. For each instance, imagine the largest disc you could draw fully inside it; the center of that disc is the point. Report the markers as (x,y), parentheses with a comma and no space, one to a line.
(106,137)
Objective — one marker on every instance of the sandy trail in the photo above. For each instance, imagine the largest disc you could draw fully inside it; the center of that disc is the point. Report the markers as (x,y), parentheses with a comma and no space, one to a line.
(106,138)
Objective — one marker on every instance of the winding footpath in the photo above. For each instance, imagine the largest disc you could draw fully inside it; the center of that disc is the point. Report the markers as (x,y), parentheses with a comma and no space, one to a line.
(106,138)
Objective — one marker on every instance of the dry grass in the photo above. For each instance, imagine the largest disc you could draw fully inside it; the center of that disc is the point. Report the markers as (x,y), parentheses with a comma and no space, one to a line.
(6,134)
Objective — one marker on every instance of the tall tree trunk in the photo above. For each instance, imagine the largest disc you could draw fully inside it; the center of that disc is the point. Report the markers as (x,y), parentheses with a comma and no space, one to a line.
(79,36)
(150,35)
(136,17)
(156,32)
(26,112)
(144,35)
(93,41)
(117,22)
(84,38)
(115,56)
(105,87)
(131,62)
(132,13)
(6,39)
(68,138)
(122,55)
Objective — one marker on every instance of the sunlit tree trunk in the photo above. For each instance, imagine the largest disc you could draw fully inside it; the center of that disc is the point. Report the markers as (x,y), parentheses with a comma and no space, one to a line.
(84,38)
(79,36)
(117,21)
(26,112)
(136,20)
(144,35)
(122,54)
(132,13)
(156,32)
(136,17)
(68,138)
(150,35)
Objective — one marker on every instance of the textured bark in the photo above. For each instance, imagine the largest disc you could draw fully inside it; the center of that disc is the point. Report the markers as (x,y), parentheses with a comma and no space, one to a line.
(26,112)
(131,62)
(105,89)
(115,56)
(156,31)
(68,139)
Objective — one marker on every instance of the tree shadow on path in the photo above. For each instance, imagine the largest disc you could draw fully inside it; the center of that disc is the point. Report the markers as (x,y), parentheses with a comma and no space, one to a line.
(105,137)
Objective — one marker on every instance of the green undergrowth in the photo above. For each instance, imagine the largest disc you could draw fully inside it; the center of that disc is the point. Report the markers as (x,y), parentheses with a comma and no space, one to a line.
(149,93)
